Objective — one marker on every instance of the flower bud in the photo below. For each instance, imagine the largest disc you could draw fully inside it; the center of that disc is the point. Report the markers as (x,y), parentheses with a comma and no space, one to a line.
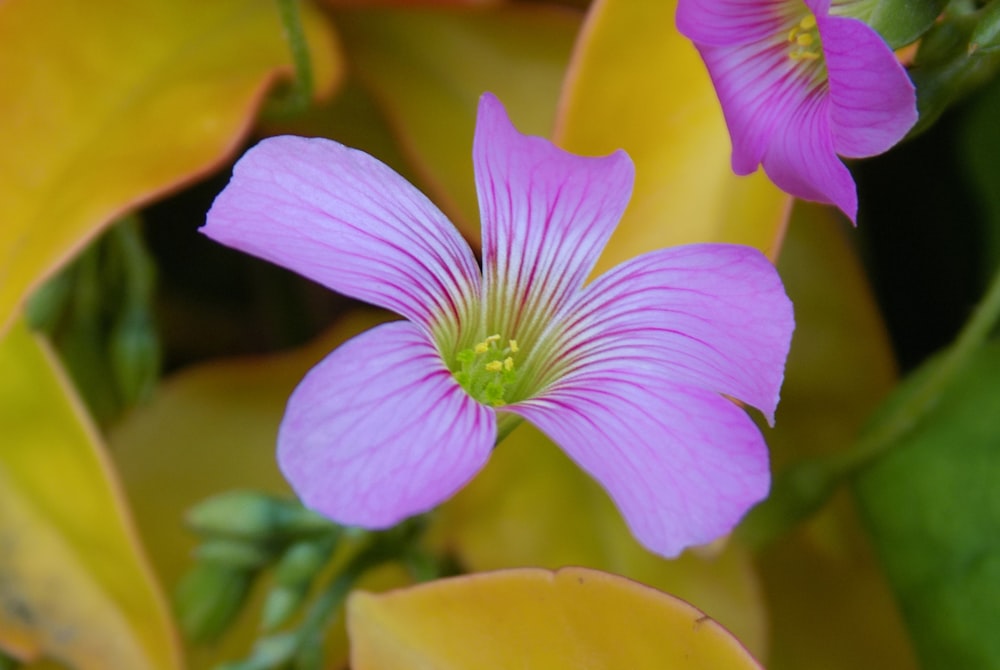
(134,349)
(293,576)
(254,516)
(233,553)
(207,599)
(986,35)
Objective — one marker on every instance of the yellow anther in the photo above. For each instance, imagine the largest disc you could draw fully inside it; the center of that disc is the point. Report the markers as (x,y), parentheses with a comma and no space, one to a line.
(492,338)
(481,348)
(513,346)
(508,364)
(494,366)
(805,39)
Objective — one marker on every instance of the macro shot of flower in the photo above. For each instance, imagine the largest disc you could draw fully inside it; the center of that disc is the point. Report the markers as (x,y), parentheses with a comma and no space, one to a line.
(799,86)
(315,355)
(631,374)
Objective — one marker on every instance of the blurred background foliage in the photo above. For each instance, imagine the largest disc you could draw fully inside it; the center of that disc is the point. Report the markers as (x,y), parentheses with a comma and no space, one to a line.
(144,369)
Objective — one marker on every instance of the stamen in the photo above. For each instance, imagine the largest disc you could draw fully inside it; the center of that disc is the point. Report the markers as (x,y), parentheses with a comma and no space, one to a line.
(805,40)
(487,371)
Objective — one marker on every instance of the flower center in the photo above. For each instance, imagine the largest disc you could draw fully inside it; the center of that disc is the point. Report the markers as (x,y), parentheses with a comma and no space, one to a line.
(487,371)
(804,40)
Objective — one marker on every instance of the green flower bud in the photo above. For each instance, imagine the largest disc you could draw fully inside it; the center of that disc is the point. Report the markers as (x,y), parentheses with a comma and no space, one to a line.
(233,553)
(49,302)
(208,598)
(293,576)
(254,516)
(134,349)
(986,35)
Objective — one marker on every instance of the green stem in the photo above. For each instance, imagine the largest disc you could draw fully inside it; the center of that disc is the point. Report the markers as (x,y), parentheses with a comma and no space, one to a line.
(381,548)
(900,421)
(302,88)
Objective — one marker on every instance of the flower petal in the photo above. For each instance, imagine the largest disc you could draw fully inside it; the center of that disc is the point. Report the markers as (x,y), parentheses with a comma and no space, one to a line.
(760,88)
(874,103)
(731,22)
(344,219)
(801,159)
(713,316)
(682,464)
(546,214)
(380,430)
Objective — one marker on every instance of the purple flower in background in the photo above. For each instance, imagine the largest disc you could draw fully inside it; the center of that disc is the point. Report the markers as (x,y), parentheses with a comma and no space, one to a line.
(799,86)
(626,374)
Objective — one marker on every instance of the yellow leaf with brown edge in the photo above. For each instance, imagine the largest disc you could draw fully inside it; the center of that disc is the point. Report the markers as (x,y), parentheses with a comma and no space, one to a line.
(109,104)
(428,70)
(534,618)
(74,585)
(637,84)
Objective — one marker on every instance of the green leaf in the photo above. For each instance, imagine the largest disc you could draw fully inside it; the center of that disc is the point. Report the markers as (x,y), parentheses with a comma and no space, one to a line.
(901,22)
(933,507)
(948,66)
(979,143)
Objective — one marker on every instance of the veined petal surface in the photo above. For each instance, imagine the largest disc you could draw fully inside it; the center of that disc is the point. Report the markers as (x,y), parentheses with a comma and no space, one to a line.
(380,430)
(713,316)
(873,101)
(730,22)
(802,161)
(759,92)
(344,219)
(546,216)
(682,464)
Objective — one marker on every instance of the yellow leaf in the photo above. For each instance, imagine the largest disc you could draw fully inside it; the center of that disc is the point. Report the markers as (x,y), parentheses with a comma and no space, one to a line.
(428,69)
(532,618)
(73,584)
(107,104)
(637,84)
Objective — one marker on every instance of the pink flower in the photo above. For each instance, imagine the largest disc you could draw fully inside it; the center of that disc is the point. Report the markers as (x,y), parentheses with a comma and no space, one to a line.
(799,86)
(626,374)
